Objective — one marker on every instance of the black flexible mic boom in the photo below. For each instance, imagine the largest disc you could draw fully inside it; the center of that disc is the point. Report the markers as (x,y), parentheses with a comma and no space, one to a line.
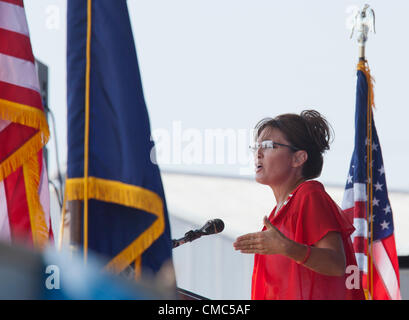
(211,227)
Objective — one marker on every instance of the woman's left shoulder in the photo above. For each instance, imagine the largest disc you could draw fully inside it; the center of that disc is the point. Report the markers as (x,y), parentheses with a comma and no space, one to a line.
(310,186)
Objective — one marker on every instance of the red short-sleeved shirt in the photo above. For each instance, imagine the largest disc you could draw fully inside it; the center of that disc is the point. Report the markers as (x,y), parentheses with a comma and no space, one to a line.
(307,216)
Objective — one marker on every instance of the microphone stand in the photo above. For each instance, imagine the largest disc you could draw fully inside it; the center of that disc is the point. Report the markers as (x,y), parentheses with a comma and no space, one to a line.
(189,237)
(211,227)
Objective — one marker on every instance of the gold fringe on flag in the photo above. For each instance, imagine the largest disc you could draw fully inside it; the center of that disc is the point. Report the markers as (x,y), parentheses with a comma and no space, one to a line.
(363,66)
(126,195)
(63,215)
(138,268)
(39,229)
(27,116)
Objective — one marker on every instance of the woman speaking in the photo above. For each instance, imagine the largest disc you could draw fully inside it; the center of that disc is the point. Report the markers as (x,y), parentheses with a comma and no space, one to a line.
(304,248)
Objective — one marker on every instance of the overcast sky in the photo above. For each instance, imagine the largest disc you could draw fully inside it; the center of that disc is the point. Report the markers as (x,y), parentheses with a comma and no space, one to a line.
(225,64)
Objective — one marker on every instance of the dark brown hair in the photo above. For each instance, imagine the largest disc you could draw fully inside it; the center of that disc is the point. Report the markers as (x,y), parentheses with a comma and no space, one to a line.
(309,131)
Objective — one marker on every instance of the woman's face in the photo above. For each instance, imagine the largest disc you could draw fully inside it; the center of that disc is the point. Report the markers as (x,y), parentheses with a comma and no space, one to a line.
(273,165)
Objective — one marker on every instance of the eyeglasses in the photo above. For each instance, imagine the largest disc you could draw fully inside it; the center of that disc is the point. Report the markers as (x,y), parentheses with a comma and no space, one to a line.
(269,144)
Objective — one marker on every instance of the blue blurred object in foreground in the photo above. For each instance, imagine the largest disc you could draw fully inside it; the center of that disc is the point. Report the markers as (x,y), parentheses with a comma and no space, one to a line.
(66,277)
(51,275)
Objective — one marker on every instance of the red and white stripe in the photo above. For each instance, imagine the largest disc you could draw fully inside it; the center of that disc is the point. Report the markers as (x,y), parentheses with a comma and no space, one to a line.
(385,268)
(18,84)
(16,55)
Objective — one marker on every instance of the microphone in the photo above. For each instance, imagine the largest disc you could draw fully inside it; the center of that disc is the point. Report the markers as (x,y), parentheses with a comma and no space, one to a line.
(211,227)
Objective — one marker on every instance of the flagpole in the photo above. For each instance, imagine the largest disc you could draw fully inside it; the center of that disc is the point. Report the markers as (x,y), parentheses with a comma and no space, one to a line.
(363,23)
(86,134)
(62,222)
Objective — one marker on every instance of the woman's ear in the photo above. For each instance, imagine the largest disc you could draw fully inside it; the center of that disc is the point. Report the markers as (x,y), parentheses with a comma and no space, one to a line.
(299,158)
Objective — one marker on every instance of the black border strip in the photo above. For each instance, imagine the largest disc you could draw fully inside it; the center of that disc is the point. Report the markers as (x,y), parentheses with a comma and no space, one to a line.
(403,262)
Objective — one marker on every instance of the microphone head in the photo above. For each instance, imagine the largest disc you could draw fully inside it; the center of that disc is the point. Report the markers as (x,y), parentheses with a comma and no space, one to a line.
(212,227)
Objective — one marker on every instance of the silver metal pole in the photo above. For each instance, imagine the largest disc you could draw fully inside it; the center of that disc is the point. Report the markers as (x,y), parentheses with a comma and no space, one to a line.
(364,22)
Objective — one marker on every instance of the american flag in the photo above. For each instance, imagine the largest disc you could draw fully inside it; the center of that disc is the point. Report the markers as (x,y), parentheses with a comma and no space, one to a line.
(24,193)
(380,275)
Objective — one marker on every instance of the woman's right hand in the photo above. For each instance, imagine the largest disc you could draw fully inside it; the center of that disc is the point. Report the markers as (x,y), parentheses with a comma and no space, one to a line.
(269,241)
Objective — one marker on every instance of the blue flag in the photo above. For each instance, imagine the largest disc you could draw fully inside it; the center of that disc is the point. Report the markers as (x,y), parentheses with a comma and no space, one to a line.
(109,140)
